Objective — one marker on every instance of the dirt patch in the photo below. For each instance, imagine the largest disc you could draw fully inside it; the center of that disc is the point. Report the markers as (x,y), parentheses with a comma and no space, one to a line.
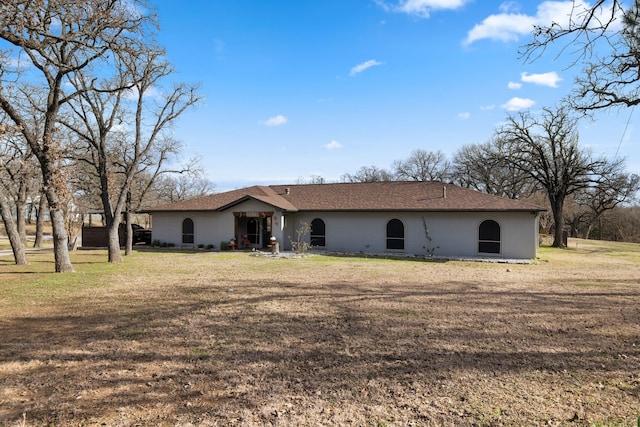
(230,339)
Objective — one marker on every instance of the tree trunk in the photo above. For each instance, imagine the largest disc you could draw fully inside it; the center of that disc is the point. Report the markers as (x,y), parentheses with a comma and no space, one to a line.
(129,240)
(129,236)
(17,247)
(42,207)
(592,224)
(58,226)
(574,227)
(114,255)
(21,212)
(60,242)
(587,234)
(557,206)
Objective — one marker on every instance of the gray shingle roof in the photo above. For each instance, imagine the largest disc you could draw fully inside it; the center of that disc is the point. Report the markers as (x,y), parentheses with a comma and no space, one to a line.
(366,196)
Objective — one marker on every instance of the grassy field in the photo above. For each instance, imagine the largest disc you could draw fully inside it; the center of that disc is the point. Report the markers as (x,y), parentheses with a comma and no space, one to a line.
(211,338)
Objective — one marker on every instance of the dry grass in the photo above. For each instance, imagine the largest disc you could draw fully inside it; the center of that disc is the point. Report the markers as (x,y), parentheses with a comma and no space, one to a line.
(230,339)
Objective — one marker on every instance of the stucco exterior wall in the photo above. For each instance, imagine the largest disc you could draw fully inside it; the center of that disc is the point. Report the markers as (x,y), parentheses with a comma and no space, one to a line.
(209,227)
(452,234)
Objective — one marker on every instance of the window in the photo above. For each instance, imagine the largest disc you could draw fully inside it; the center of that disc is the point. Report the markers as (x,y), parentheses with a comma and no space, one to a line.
(395,234)
(489,237)
(187,230)
(318,233)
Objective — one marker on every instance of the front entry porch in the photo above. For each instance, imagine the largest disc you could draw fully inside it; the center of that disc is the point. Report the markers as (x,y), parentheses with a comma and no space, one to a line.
(252,230)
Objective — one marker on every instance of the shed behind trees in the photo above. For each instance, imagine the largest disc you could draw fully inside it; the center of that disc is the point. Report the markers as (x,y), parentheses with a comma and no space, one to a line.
(98,237)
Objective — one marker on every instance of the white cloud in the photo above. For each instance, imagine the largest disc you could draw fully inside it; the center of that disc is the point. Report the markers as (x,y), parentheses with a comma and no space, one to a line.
(465,115)
(550,79)
(502,27)
(132,94)
(274,121)
(514,85)
(488,107)
(510,25)
(509,6)
(361,67)
(515,104)
(333,145)
(421,8)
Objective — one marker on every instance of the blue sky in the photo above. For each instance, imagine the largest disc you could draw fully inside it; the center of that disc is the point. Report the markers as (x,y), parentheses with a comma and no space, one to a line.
(309,87)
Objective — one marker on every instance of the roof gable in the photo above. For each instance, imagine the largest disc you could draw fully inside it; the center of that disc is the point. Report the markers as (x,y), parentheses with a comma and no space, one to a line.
(226,200)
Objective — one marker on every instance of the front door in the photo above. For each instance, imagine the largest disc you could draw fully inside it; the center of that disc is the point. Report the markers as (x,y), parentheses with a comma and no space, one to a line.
(257,228)
(253,231)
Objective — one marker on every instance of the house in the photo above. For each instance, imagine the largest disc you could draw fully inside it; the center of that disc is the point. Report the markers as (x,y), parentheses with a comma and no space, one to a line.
(417,218)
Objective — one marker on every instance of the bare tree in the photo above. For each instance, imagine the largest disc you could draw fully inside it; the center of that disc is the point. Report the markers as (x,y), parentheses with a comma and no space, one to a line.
(40,216)
(18,175)
(606,38)
(614,188)
(10,155)
(485,168)
(59,38)
(117,155)
(368,174)
(312,179)
(149,178)
(11,228)
(547,149)
(423,166)
(174,187)
(619,224)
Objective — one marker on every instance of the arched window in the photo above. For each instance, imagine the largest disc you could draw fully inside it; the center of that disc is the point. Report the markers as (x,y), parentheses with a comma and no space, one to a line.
(395,234)
(489,237)
(318,236)
(187,230)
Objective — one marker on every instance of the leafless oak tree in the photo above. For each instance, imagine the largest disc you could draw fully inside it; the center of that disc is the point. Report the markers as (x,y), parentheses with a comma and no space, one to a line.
(122,128)
(59,38)
(368,174)
(13,160)
(423,165)
(485,168)
(605,38)
(546,148)
(175,187)
(614,189)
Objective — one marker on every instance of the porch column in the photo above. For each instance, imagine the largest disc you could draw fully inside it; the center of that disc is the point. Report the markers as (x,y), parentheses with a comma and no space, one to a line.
(277,228)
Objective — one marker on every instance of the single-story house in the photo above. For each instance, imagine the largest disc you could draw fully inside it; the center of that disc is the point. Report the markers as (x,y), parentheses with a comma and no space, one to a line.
(419,218)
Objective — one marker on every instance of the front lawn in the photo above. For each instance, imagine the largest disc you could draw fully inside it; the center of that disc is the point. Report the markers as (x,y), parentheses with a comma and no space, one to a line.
(221,338)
